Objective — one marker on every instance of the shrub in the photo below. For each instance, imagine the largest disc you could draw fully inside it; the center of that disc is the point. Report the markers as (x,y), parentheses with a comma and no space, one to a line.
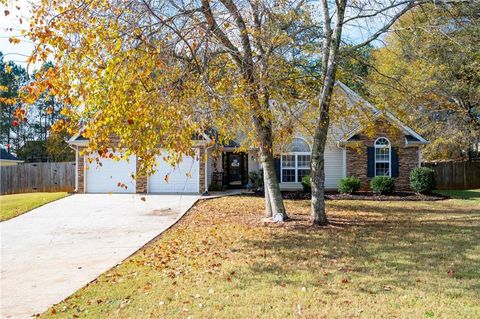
(349,185)
(306,184)
(422,180)
(256,179)
(382,184)
(215,187)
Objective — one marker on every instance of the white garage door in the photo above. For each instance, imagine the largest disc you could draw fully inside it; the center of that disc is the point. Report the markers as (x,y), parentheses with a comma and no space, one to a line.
(183,178)
(105,178)
(333,167)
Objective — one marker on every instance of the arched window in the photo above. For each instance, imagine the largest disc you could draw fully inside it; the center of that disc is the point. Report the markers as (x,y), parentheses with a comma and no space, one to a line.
(382,157)
(298,145)
(295,163)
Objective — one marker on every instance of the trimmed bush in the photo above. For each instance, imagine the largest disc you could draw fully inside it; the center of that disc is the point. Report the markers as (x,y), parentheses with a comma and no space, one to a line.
(215,187)
(422,180)
(382,184)
(349,185)
(256,179)
(306,184)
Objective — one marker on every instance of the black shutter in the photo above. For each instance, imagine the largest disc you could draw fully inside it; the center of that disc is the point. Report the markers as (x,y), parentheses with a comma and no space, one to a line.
(395,171)
(370,161)
(276,163)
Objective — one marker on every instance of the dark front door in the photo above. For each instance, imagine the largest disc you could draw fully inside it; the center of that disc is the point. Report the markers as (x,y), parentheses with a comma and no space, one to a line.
(235,170)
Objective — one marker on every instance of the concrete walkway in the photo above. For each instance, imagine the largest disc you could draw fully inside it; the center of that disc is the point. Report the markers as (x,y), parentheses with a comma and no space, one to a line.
(52,251)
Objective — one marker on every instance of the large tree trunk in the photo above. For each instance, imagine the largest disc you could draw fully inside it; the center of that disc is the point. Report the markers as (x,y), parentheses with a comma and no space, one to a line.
(330,46)
(273,196)
(318,215)
(244,60)
(268,205)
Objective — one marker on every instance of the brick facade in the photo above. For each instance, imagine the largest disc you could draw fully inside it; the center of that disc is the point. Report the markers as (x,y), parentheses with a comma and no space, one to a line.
(80,173)
(201,173)
(357,161)
(141,180)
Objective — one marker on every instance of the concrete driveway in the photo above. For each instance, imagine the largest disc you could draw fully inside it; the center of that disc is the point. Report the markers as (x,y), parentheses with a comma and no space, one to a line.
(52,251)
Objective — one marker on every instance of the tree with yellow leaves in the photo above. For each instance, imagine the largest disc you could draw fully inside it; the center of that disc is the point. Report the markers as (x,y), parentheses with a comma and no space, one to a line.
(337,16)
(155,73)
(429,71)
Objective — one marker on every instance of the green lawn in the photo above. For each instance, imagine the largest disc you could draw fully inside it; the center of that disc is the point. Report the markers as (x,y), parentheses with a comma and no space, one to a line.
(375,260)
(17,204)
(466,196)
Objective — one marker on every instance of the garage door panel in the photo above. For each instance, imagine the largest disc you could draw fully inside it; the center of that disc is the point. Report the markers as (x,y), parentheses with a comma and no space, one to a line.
(183,178)
(105,178)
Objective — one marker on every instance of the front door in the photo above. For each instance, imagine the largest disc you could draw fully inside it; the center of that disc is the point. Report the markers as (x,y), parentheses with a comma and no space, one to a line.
(235,170)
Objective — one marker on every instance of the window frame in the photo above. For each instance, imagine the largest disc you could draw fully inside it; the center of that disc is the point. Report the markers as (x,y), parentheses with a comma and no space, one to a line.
(389,161)
(296,167)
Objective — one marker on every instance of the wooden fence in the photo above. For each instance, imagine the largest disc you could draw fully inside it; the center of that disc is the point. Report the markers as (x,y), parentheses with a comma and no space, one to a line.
(456,175)
(37,177)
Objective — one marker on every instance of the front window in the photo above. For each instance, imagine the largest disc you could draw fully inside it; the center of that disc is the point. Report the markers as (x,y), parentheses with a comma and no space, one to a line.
(382,157)
(295,164)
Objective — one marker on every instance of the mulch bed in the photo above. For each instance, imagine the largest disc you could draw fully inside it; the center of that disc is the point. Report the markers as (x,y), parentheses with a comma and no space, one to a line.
(395,196)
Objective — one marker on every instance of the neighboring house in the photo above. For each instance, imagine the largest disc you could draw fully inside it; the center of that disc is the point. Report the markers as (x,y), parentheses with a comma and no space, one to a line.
(391,149)
(7,159)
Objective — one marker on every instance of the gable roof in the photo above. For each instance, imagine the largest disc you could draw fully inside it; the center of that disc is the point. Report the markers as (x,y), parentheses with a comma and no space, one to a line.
(353,98)
(6,156)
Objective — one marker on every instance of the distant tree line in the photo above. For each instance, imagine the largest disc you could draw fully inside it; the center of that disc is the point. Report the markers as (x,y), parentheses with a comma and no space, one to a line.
(25,128)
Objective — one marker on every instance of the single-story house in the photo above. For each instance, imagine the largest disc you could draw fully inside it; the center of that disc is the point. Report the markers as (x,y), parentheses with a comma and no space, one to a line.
(392,149)
(8,159)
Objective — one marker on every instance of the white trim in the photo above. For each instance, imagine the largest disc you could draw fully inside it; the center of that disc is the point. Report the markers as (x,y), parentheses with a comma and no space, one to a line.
(76,168)
(11,161)
(354,96)
(382,161)
(84,173)
(392,118)
(296,167)
(344,160)
(406,128)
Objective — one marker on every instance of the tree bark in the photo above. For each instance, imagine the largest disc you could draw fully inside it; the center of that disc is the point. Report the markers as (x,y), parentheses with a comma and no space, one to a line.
(268,205)
(263,126)
(272,188)
(330,46)
(318,215)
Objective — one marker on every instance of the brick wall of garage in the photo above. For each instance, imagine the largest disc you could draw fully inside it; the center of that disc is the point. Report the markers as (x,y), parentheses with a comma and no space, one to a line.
(357,159)
(141,179)
(81,172)
(201,173)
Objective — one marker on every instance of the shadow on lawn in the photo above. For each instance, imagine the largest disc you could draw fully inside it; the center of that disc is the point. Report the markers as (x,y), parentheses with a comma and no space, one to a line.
(461,194)
(397,243)
(416,210)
